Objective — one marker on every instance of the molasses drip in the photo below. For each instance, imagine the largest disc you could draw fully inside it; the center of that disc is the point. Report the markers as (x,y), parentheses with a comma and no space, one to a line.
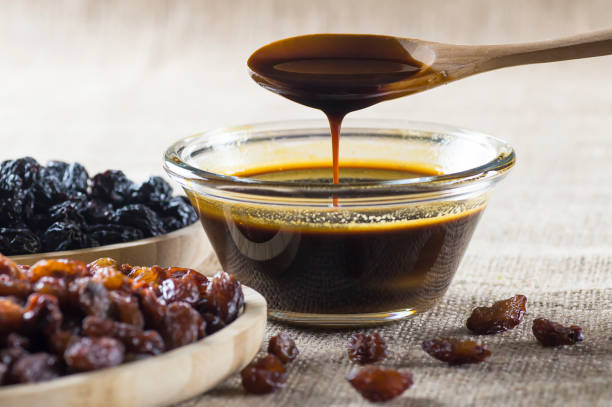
(335,73)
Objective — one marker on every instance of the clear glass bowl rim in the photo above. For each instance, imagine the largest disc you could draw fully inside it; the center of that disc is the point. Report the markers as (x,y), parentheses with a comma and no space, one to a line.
(482,176)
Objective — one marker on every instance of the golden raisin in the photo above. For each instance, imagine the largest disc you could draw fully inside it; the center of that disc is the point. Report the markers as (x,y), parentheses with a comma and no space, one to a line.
(112,278)
(378,384)
(101,263)
(365,349)
(94,353)
(550,333)
(34,368)
(284,347)
(42,313)
(456,352)
(223,297)
(264,375)
(501,316)
(150,275)
(14,286)
(53,286)
(57,268)
(11,316)
(8,267)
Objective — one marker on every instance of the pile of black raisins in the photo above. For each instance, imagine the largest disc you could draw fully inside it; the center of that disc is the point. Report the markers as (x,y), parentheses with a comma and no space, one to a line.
(59,207)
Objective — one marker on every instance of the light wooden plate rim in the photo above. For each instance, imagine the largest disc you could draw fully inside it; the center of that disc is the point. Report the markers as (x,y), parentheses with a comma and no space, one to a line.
(254,309)
(31,258)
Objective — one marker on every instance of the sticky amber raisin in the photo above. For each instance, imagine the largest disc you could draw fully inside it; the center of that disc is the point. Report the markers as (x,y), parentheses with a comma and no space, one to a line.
(151,275)
(57,268)
(264,375)
(53,286)
(456,352)
(60,340)
(112,278)
(9,355)
(365,349)
(283,347)
(9,267)
(126,309)
(14,286)
(214,322)
(378,384)
(90,296)
(501,316)
(152,310)
(223,297)
(182,325)
(550,333)
(101,263)
(42,313)
(16,340)
(34,368)
(94,353)
(135,339)
(178,289)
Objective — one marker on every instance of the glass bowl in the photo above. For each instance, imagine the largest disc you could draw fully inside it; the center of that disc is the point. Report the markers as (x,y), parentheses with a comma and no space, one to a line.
(373,249)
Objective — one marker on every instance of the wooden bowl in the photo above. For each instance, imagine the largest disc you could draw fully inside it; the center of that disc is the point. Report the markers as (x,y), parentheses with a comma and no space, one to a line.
(159,380)
(186,247)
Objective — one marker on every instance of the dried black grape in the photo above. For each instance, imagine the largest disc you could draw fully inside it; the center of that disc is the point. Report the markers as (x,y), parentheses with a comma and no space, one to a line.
(98,212)
(75,178)
(129,234)
(27,168)
(112,186)
(48,191)
(154,192)
(58,207)
(10,183)
(140,216)
(105,234)
(180,208)
(25,242)
(62,236)
(68,212)
(19,241)
(171,223)
(54,169)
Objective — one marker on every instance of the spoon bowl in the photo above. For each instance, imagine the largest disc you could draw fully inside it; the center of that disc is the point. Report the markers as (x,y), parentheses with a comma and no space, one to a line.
(340,73)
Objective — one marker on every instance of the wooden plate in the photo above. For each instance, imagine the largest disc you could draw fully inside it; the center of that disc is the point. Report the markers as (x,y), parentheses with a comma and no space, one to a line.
(160,380)
(186,247)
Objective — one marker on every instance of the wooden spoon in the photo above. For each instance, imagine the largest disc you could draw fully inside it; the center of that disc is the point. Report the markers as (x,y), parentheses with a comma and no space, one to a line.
(345,72)
(454,62)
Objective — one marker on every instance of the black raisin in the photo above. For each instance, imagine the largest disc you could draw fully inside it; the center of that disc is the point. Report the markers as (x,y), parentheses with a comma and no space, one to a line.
(27,168)
(63,236)
(140,216)
(54,169)
(180,208)
(75,178)
(19,241)
(153,192)
(112,186)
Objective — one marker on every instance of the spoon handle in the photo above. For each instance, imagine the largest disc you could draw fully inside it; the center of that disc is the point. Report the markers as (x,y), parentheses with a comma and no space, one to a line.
(579,46)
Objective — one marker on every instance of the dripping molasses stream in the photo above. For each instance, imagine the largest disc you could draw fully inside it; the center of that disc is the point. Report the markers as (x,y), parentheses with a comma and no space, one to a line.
(333,74)
(341,73)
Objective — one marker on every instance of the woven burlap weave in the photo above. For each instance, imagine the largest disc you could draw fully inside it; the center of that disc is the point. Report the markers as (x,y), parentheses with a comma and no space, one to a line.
(519,371)
(111,84)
